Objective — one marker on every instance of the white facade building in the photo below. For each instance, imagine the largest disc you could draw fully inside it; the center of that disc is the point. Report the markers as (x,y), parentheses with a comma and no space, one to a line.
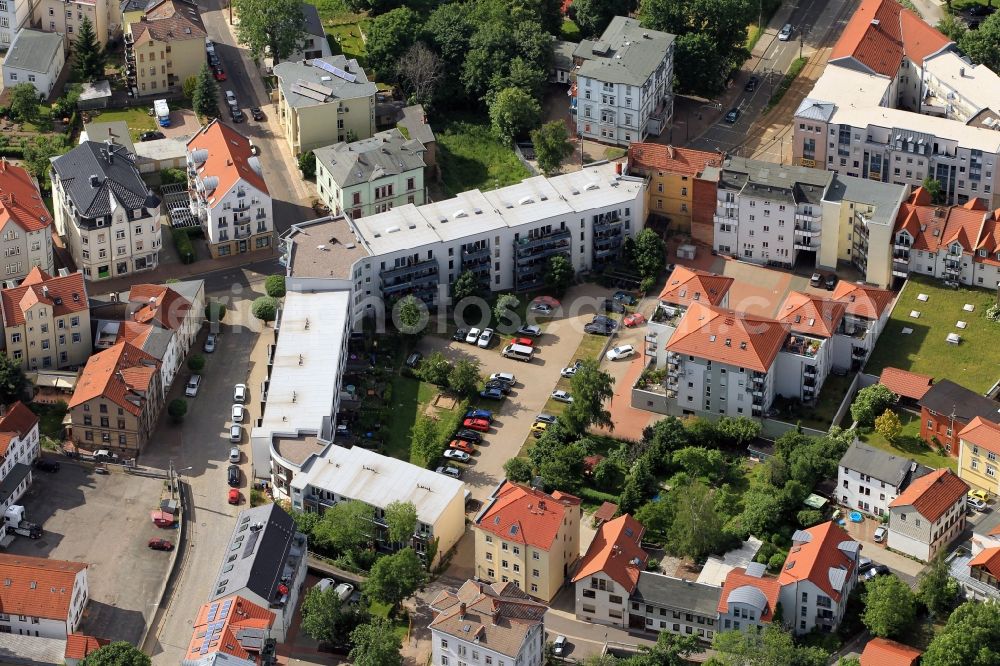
(19,448)
(34,57)
(41,597)
(869,479)
(928,515)
(14,15)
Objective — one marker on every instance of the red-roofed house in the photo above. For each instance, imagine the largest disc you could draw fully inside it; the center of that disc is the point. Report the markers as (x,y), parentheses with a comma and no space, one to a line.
(79,646)
(228,194)
(608,573)
(684,287)
(528,537)
(905,384)
(165,319)
(864,320)
(928,515)
(25,223)
(676,176)
(40,596)
(885,652)
(231,625)
(978,453)
(748,597)
(985,567)
(18,450)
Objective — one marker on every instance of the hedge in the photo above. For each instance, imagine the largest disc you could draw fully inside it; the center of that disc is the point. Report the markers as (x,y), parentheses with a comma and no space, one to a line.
(185,248)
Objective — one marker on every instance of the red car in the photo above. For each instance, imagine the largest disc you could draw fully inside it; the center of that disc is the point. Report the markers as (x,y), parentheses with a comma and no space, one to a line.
(482,425)
(527,342)
(462,445)
(234,496)
(219,74)
(634,319)
(160,544)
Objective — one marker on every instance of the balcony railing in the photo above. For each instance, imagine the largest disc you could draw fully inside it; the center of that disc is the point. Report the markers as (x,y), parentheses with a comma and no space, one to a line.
(806,217)
(414,270)
(528,246)
(475,255)
(807,231)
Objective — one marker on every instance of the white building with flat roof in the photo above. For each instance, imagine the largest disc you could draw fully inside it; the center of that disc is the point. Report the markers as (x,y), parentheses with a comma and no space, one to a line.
(362,475)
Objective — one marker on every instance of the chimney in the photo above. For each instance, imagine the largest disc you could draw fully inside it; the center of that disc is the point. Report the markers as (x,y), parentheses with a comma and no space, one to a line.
(3,165)
(461,610)
(45,291)
(95,180)
(961,72)
(670,151)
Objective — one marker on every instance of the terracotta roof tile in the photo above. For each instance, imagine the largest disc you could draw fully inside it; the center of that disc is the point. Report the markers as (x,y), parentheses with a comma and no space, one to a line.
(686,286)
(645,157)
(525,515)
(964,227)
(65,295)
(20,200)
(811,315)
(79,646)
(117,374)
(881,33)
(738,578)
(862,300)
(18,419)
(884,652)
(230,158)
(932,495)
(905,383)
(726,336)
(982,433)
(39,587)
(616,552)
(158,303)
(989,559)
(219,623)
(813,559)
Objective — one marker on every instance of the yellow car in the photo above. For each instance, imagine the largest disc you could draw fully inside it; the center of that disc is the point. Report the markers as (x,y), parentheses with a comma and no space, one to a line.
(980,495)
(538,428)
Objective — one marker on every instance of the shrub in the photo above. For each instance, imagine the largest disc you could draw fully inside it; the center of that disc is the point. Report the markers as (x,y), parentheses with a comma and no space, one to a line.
(307,164)
(215,311)
(274,285)
(173,177)
(870,402)
(775,562)
(177,409)
(265,308)
(185,248)
(196,363)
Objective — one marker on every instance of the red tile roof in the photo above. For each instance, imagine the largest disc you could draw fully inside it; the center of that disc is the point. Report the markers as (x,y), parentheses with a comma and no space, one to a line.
(65,295)
(881,33)
(738,578)
(813,559)
(686,286)
(17,422)
(982,433)
(646,157)
(862,300)
(39,587)
(230,158)
(79,646)
(811,315)
(932,495)
(168,21)
(989,559)
(122,374)
(20,200)
(934,228)
(905,383)
(158,303)
(884,652)
(727,336)
(615,551)
(525,515)
(219,623)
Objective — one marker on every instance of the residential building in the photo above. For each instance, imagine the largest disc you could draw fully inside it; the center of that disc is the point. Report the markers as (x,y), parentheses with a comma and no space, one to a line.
(813,322)
(19,448)
(371,175)
(311,93)
(664,603)
(928,515)
(482,623)
(132,10)
(563,66)
(624,83)
(78,646)
(358,474)
(681,185)
(984,568)
(117,401)
(684,286)
(867,313)
(232,626)
(164,47)
(957,244)
(608,573)
(978,453)
(107,214)
(228,193)
(271,568)
(14,15)
(34,57)
(885,652)
(947,408)
(869,479)
(41,596)
(46,321)
(25,224)
(980,582)
(66,16)
(909,386)
(748,598)
(528,538)
(313,43)
(164,321)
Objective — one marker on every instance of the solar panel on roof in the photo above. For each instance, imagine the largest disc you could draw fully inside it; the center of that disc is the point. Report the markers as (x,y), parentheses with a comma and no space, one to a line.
(224,613)
(309,85)
(311,94)
(336,71)
(212,611)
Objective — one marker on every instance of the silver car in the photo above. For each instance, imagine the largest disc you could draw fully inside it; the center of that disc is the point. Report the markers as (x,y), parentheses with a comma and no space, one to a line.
(234,455)
(236,433)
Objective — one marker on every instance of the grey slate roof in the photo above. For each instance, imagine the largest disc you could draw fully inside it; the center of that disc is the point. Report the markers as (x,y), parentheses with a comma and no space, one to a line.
(260,553)
(132,5)
(290,72)
(659,590)
(158,341)
(117,177)
(413,120)
(387,153)
(17,474)
(777,182)
(562,54)
(885,197)
(311,23)
(814,109)
(626,53)
(946,396)
(188,288)
(877,464)
(33,50)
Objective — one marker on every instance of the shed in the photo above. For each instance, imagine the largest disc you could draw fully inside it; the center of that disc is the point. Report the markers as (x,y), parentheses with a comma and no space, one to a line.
(605,513)
(906,384)
(95,95)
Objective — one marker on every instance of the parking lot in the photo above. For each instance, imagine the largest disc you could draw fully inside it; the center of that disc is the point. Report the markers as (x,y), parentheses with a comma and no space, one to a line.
(105,522)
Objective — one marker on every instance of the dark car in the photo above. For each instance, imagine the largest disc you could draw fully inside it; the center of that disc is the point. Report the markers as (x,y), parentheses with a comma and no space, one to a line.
(256,113)
(233,476)
(751,84)
(236,115)
(492,394)
(479,414)
(500,385)
(831,282)
(160,544)
(413,360)
(732,115)
(611,305)
(152,136)
(213,60)
(46,465)
(597,329)
(469,435)
(219,74)
(460,335)
(625,297)
(602,320)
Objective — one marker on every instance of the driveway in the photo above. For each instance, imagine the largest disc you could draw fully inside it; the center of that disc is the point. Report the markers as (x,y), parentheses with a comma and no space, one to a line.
(81,513)
(902,566)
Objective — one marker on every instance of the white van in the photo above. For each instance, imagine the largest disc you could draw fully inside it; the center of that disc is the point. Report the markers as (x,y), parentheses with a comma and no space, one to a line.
(520,352)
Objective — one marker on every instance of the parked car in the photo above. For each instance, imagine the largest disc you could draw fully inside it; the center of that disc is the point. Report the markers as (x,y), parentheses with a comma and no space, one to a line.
(344,591)
(816,280)
(236,114)
(538,428)
(732,115)
(541,308)
(980,494)
(503,377)
(831,281)
(210,342)
(634,319)
(625,297)
(469,435)
(160,544)
(480,414)
(545,418)
(238,413)
(559,646)
(562,396)
(611,305)
(240,393)
(231,98)
(233,475)
(234,454)
(877,570)
(473,336)
(462,445)
(192,386)
(219,74)
(570,370)
(603,320)
(977,504)
(460,335)
(751,84)
(786,32)
(46,465)
(455,454)
(597,329)
(527,342)
(151,136)
(482,425)
(620,352)
(880,534)
(492,394)
(530,330)
(236,433)
(864,564)
(413,360)
(234,496)
(500,385)
(453,472)
(485,338)
(257,114)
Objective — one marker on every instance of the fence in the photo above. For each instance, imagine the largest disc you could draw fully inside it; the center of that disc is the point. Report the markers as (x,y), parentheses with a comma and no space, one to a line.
(527,165)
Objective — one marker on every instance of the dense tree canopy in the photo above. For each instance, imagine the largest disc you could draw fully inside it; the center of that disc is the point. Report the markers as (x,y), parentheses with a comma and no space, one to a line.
(971,637)
(395,577)
(890,606)
(119,653)
(983,44)
(389,37)
(274,26)
(590,387)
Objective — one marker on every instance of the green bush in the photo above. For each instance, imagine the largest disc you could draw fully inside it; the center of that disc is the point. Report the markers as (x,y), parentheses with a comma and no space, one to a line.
(274,285)
(596,496)
(265,308)
(196,363)
(215,311)
(307,164)
(185,248)
(173,177)
(177,409)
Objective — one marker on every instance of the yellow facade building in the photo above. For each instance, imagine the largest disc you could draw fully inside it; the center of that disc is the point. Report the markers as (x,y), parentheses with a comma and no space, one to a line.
(676,179)
(164,47)
(979,455)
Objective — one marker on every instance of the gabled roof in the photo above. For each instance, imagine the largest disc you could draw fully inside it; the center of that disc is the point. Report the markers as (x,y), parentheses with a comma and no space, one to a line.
(811,315)
(169,21)
(20,200)
(932,495)
(151,339)
(232,625)
(525,515)
(626,53)
(688,285)
(115,177)
(34,51)
(645,157)
(64,294)
(159,304)
(38,586)
(759,591)
(122,374)
(989,559)
(384,155)
(862,300)
(819,557)
(79,646)
(948,398)
(905,383)
(876,463)
(219,151)
(727,336)
(17,422)
(885,652)
(615,552)
(980,432)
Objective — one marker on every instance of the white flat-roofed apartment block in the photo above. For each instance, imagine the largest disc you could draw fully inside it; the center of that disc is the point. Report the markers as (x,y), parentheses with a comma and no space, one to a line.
(361,475)
(955,88)
(303,389)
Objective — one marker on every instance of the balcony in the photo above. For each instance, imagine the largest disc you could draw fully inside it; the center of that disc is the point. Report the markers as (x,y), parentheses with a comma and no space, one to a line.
(242,232)
(858,353)
(413,270)
(607,221)
(901,244)
(804,245)
(810,371)
(758,399)
(807,231)
(475,256)
(732,205)
(528,247)
(808,218)
(671,394)
(952,267)
(803,346)
(607,248)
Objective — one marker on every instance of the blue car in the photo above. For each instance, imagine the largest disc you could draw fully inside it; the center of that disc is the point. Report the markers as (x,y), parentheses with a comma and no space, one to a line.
(479,414)
(492,394)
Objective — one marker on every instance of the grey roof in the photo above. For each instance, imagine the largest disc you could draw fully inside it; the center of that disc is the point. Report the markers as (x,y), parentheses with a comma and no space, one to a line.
(562,54)
(133,5)
(33,50)
(387,153)
(311,23)
(116,130)
(289,73)
(877,464)
(777,182)
(218,658)
(756,569)
(884,197)
(945,397)
(188,288)
(13,479)
(660,590)
(802,536)
(415,121)
(814,109)
(92,90)
(747,594)
(262,542)
(158,341)
(626,53)
(116,177)
(838,577)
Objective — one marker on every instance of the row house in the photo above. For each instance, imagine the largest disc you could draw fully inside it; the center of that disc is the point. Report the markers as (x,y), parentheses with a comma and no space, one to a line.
(978,454)
(14,15)
(164,321)
(25,224)
(684,286)
(66,17)
(164,47)
(19,448)
(42,597)
(978,570)
(233,627)
(866,314)
(928,515)
(869,479)
(947,408)
(682,184)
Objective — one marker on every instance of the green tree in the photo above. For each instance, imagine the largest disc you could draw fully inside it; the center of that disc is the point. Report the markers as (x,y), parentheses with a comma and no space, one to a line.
(982,45)
(656,516)
(504,307)
(608,475)
(558,273)
(463,378)
(848,661)
(264,308)
(971,637)
(434,369)
(591,388)
(37,154)
(889,426)
(410,313)
(669,650)
(65,105)
(741,430)
(890,606)
(389,37)
(119,653)
(177,408)
(870,402)
(88,54)
(270,26)
(205,97)
(401,521)
(420,72)
(696,530)
(771,646)
(346,526)
(215,311)
(952,27)
(593,16)
(517,470)
(189,86)
(809,517)
(274,285)
(466,286)
(12,380)
(326,619)
(24,103)
(513,112)
(563,470)
(426,446)
(552,144)
(650,253)
(704,68)
(935,190)
(196,363)
(307,165)
(761,512)
(376,644)
(701,463)
(395,577)
(937,590)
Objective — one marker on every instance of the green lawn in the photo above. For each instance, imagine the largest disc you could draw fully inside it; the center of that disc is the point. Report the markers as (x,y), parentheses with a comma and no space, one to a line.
(378,609)
(569,31)
(346,38)
(909,444)
(137,119)
(472,158)
(973,363)
(409,398)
